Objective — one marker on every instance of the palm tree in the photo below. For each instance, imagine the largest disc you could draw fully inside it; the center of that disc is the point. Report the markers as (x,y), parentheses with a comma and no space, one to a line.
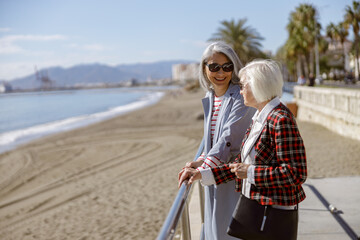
(338,33)
(244,39)
(331,31)
(342,33)
(303,28)
(295,49)
(352,18)
(287,55)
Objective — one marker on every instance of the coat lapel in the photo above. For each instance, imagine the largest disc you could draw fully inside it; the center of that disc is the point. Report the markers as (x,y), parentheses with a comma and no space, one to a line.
(224,106)
(207,105)
(252,140)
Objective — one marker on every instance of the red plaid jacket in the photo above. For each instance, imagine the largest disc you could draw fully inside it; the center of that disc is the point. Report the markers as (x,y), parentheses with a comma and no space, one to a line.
(280,162)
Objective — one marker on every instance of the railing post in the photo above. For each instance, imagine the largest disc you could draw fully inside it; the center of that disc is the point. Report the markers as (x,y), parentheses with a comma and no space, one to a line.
(201,199)
(185,223)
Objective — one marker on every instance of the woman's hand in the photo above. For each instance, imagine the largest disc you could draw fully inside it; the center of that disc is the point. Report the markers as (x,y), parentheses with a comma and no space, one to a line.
(240,169)
(189,173)
(193,164)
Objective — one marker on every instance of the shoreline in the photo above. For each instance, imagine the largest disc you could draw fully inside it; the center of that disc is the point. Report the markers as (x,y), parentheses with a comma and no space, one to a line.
(118,178)
(15,138)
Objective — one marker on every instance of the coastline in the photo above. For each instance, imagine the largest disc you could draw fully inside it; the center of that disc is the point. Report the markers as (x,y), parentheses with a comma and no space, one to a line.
(118,178)
(10,140)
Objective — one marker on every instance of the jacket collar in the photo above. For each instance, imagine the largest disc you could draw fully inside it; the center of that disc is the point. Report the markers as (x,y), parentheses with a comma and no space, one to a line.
(263,114)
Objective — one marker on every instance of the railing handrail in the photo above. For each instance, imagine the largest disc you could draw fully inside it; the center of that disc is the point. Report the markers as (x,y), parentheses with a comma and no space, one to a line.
(169,227)
(170,224)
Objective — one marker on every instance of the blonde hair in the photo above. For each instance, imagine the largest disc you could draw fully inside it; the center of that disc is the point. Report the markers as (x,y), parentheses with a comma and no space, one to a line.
(264,77)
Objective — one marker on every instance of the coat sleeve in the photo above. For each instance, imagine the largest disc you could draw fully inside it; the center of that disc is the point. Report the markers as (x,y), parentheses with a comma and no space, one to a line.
(222,174)
(229,142)
(290,169)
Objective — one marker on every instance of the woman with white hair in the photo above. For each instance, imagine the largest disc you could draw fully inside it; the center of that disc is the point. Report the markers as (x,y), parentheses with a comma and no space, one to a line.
(271,167)
(226,119)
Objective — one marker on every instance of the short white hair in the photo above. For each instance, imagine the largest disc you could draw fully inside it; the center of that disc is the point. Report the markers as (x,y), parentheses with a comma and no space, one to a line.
(218,47)
(265,79)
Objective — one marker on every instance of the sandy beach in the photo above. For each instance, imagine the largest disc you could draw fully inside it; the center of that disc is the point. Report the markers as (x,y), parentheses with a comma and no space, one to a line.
(117,179)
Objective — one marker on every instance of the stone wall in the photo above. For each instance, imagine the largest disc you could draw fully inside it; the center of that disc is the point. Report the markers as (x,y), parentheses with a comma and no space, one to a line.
(335,108)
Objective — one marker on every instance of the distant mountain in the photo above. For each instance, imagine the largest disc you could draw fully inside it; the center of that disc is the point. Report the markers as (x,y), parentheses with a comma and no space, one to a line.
(87,74)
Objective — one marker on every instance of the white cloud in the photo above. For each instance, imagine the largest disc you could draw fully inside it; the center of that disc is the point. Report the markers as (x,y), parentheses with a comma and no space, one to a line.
(94,47)
(13,70)
(5,30)
(13,38)
(8,44)
(87,47)
(7,47)
(156,53)
(196,43)
(10,71)
(72,45)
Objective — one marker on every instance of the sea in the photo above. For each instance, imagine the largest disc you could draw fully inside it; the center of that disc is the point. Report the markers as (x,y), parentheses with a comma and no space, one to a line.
(27,116)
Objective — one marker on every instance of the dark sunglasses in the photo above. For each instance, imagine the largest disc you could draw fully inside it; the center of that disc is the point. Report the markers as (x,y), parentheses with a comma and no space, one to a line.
(215,67)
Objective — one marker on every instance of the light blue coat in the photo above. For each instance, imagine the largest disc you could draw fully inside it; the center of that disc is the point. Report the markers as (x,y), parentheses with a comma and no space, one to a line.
(233,120)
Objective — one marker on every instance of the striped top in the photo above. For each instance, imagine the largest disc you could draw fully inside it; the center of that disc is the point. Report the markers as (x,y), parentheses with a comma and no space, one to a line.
(212,161)
(215,114)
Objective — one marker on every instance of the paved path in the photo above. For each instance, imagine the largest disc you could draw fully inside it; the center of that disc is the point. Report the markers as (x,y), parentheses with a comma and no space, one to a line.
(342,84)
(316,222)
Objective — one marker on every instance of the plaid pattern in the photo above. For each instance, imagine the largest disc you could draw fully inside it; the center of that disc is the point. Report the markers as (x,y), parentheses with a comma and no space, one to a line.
(280,162)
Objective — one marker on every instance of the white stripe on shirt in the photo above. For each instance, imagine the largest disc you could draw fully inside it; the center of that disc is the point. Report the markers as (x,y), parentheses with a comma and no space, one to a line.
(212,161)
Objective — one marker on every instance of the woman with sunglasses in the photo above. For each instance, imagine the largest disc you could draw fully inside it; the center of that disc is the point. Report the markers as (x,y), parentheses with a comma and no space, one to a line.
(226,119)
(271,167)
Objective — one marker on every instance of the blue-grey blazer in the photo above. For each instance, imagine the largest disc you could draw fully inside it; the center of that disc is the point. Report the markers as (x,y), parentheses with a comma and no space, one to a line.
(233,120)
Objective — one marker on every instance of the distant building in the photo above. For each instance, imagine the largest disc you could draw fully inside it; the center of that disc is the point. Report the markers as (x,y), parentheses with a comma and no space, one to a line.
(131,83)
(164,81)
(5,87)
(183,73)
(2,88)
(339,54)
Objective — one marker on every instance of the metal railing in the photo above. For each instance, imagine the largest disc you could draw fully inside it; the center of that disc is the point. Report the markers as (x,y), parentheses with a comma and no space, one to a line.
(180,209)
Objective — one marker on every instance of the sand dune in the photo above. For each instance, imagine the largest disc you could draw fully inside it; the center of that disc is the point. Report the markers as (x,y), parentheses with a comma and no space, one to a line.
(117,179)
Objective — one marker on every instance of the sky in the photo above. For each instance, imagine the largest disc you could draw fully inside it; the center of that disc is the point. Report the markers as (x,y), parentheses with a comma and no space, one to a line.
(47,33)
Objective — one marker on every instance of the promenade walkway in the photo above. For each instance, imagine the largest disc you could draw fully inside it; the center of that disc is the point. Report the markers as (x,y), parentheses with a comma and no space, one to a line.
(333,83)
(316,222)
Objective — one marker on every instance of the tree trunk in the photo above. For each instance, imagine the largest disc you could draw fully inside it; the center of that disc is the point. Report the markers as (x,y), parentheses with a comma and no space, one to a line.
(346,59)
(298,66)
(356,58)
(312,56)
(305,66)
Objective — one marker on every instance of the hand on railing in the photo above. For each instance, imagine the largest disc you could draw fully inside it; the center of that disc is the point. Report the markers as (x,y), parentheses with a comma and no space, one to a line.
(194,164)
(188,173)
